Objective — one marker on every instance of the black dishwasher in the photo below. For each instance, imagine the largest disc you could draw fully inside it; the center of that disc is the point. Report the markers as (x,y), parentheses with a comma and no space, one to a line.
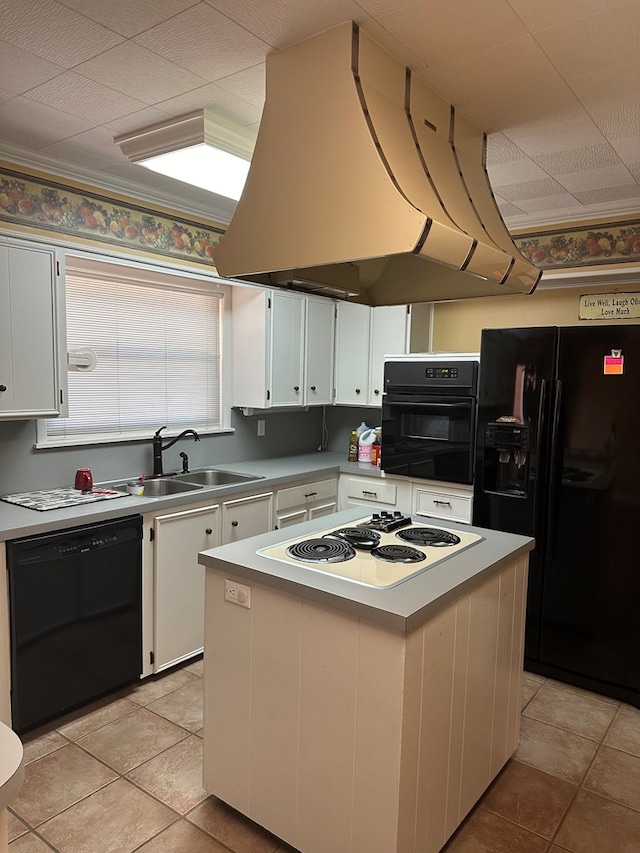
(75,604)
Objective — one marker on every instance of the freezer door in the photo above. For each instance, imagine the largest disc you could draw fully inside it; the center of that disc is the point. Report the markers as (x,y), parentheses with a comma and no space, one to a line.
(592,575)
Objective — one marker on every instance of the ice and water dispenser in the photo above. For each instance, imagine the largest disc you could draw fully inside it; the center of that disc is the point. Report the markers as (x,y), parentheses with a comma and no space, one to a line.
(506,457)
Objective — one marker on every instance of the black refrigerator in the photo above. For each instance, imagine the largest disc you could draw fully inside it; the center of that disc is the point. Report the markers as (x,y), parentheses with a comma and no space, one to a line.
(558,458)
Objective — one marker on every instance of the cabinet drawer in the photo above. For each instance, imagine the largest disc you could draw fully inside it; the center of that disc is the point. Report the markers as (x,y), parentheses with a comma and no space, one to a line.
(442,505)
(370,489)
(306,493)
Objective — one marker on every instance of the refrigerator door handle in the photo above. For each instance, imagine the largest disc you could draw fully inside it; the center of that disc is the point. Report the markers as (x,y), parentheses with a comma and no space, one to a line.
(541,461)
(554,479)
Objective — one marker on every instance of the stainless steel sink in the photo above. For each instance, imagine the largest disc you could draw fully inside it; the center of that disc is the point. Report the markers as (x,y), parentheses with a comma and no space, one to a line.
(213,477)
(159,487)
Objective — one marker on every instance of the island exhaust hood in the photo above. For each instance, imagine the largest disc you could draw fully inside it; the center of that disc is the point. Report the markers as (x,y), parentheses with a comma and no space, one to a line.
(365,185)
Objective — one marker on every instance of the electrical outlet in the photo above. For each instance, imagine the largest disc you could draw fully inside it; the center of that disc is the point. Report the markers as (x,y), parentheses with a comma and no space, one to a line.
(237,593)
(260,427)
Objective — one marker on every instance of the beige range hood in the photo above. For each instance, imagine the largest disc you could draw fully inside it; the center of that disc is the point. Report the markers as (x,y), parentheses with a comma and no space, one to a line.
(365,185)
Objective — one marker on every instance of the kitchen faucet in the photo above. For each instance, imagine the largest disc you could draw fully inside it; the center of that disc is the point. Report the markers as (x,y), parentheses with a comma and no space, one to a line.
(158,447)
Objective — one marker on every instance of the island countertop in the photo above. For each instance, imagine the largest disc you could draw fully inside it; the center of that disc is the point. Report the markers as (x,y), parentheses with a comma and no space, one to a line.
(401,607)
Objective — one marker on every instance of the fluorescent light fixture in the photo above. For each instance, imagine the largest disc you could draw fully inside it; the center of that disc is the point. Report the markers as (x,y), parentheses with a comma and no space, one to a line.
(199,148)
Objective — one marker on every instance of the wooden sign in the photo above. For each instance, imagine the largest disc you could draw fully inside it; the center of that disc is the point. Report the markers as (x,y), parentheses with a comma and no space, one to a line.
(609,306)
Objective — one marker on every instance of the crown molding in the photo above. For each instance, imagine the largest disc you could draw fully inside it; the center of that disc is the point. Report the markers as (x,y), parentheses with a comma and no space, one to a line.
(567,217)
(590,278)
(219,210)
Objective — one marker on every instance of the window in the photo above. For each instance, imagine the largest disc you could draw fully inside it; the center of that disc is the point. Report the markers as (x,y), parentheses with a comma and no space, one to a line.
(157,340)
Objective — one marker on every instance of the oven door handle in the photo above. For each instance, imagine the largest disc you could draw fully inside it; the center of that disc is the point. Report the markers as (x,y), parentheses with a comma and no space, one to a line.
(432,404)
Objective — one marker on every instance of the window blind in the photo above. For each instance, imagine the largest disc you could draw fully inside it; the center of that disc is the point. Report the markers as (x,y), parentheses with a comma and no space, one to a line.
(158,358)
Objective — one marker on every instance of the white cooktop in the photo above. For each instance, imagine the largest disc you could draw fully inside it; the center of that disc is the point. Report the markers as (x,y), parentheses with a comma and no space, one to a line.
(364,568)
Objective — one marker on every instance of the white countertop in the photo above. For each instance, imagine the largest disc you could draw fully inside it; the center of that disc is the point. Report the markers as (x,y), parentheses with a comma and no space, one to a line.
(401,607)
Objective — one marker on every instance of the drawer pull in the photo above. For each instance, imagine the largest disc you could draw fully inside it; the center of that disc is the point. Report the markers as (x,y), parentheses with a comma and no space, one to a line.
(369,494)
(234,523)
(310,494)
(442,503)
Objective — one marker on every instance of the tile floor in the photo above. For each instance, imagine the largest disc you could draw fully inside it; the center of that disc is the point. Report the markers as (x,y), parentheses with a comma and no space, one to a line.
(124,775)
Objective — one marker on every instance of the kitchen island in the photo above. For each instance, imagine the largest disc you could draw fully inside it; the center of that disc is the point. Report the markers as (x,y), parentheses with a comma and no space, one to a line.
(353,719)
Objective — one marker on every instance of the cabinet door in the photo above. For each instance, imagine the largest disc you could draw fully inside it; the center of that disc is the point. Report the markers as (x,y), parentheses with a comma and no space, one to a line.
(388,337)
(179,582)
(352,353)
(288,519)
(31,382)
(319,352)
(287,349)
(245,517)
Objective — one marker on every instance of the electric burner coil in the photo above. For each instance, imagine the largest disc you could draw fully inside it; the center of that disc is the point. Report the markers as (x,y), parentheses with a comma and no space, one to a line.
(324,550)
(428,536)
(398,554)
(359,537)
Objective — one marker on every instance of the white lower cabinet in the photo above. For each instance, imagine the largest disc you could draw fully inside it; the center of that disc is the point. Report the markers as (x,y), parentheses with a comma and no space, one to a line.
(305,501)
(446,501)
(246,516)
(179,582)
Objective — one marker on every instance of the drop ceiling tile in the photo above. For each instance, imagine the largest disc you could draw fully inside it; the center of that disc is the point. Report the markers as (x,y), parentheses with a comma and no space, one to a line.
(507,209)
(53,32)
(535,107)
(94,149)
(561,202)
(5,96)
(390,43)
(137,120)
(634,168)
(570,133)
(620,123)
(501,150)
(596,179)
(541,188)
(585,158)
(503,71)
(605,194)
(515,171)
(377,8)
(139,73)
(128,18)
(33,125)
(284,22)
(607,88)
(429,31)
(187,40)
(21,70)
(628,150)
(594,42)
(247,84)
(84,98)
(536,14)
(222,103)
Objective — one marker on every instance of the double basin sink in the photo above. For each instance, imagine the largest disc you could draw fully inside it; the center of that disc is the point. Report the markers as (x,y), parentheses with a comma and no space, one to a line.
(209,477)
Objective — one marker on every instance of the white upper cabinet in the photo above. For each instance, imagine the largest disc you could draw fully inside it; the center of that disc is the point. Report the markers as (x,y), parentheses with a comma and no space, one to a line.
(282,349)
(364,336)
(33,375)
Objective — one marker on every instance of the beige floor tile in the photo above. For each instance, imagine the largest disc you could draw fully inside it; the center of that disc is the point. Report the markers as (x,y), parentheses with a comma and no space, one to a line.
(533,676)
(530,798)
(183,706)
(232,829)
(116,819)
(555,751)
(624,733)
(15,826)
(153,688)
(58,780)
(599,696)
(132,740)
(182,837)
(197,667)
(576,712)
(529,690)
(94,716)
(616,775)
(596,825)
(29,844)
(485,832)
(175,776)
(36,745)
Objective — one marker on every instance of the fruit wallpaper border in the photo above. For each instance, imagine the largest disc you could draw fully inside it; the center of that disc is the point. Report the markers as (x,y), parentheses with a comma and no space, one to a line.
(43,203)
(607,243)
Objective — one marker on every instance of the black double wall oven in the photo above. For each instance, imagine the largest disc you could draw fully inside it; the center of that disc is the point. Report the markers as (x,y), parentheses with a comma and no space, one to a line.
(429,412)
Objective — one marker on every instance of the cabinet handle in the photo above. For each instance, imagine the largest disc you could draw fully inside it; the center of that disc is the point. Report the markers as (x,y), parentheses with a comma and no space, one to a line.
(357,390)
(370,494)
(442,503)
(234,523)
(375,391)
(208,531)
(313,387)
(3,387)
(296,388)
(310,494)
